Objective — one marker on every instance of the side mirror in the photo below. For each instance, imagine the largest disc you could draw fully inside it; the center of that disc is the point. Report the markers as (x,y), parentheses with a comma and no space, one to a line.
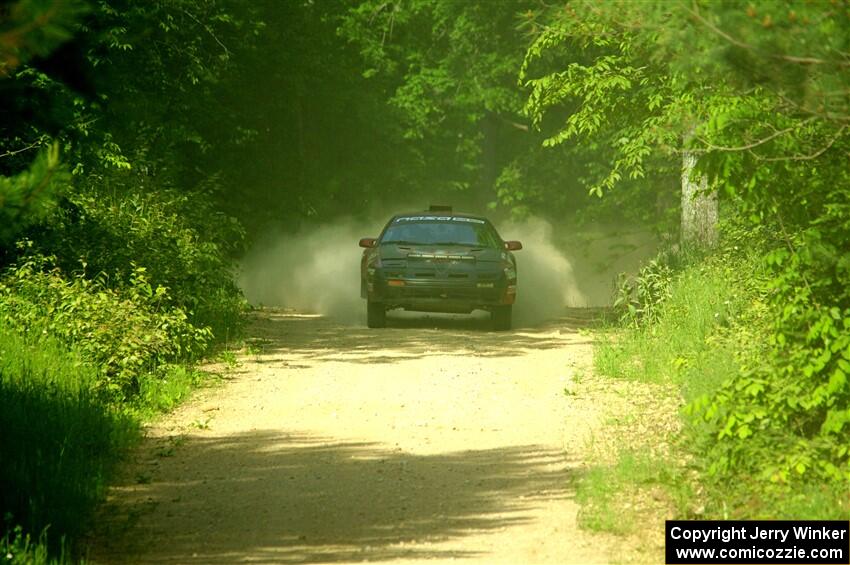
(368,242)
(513,245)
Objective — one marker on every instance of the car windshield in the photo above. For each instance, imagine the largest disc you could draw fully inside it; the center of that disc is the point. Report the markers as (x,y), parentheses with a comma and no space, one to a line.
(471,232)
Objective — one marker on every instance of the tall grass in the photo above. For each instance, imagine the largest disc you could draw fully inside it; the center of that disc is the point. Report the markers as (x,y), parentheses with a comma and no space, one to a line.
(58,439)
(683,343)
(620,498)
(82,363)
(19,548)
(713,321)
(684,346)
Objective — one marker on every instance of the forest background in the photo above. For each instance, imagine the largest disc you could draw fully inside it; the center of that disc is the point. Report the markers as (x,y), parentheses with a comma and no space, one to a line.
(144,146)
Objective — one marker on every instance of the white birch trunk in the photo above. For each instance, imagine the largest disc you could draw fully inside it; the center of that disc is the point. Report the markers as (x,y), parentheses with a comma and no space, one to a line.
(699,207)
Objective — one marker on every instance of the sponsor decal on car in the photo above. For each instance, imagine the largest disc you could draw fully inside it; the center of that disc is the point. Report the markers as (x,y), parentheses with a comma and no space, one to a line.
(438,219)
(438,257)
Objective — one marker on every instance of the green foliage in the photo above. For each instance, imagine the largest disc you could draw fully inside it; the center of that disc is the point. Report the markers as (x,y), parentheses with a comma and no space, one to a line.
(791,405)
(433,45)
(448,69)
(125,267)
(179,241)
(166,389)
(759,93)
(639,298)
(762,408)
(673,335)
(19,548)
(59,438)
(29,197)
(161,121)
(125,333)
(626,109)
(141,194)
(31,28)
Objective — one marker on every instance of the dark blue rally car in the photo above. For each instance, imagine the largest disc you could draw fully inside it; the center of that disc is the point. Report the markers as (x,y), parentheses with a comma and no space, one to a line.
(439,261)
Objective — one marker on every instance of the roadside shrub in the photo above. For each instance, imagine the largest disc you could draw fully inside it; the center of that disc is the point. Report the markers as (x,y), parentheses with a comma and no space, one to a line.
(126,332)
(639,298)
(785,417)
(759,341)
(180,241)
(674,335)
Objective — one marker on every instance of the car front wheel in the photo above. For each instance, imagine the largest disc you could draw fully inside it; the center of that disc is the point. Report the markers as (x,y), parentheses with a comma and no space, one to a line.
(502,317)
(376,314)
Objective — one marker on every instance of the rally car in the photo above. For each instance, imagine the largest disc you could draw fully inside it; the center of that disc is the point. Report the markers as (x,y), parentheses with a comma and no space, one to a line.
(438,261)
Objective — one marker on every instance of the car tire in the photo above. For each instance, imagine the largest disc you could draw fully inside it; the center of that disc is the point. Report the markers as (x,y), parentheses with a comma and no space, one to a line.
(502,317)
(376,314)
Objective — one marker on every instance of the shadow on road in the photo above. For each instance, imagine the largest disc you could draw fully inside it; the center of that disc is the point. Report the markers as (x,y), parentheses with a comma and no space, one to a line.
(272,497)
(286,338)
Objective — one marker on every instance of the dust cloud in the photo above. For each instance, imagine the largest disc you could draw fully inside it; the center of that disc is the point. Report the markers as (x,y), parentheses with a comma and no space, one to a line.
(545,279)
(318,271)
(315,271)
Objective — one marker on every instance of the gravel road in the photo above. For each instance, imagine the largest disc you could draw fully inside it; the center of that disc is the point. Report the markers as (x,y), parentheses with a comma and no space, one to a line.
(433,440)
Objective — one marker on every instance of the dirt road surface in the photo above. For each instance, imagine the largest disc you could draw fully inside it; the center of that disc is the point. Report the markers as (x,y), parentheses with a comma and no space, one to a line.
(434,440)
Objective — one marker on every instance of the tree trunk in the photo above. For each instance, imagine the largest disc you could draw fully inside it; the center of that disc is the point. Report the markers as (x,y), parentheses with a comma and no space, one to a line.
(699,207)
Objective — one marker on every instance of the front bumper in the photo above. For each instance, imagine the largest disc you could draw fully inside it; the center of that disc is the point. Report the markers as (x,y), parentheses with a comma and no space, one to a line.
(460,295)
